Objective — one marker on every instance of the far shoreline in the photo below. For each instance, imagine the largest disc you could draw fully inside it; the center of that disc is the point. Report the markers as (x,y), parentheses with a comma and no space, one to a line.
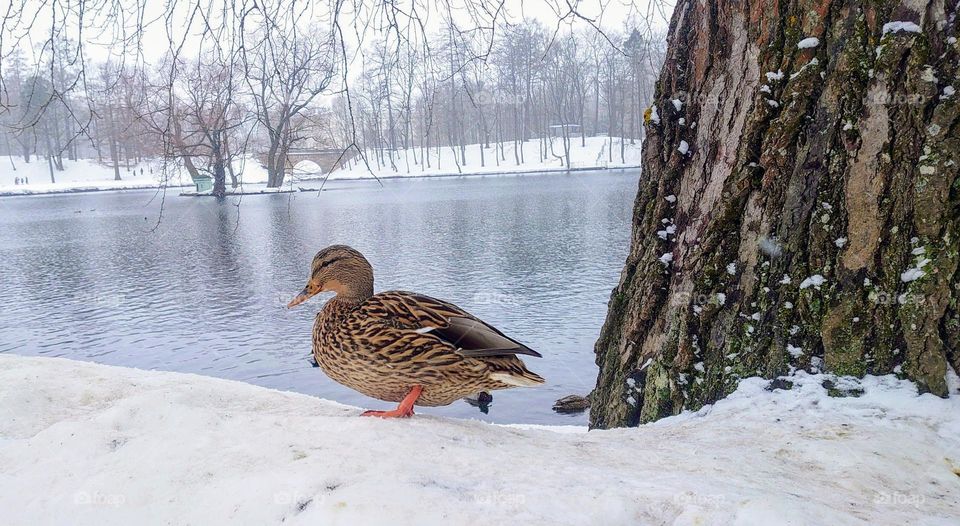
(539,171)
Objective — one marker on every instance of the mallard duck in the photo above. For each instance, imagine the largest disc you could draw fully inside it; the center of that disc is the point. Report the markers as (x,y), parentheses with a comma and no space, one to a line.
(572,404)
(401,346)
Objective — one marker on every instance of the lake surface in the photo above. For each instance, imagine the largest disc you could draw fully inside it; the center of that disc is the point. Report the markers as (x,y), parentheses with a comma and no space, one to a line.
(94,277)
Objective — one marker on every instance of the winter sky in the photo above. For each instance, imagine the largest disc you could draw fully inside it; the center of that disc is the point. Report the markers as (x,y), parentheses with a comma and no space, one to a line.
(168,25)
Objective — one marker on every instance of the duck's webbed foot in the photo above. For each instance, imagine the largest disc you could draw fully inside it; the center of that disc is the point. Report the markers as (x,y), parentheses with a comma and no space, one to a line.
(404,410)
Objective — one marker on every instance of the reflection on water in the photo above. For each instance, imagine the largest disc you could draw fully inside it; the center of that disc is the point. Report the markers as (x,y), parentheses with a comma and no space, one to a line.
(85,277)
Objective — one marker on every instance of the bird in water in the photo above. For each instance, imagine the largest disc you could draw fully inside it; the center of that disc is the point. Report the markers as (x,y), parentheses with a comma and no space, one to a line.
(401,346)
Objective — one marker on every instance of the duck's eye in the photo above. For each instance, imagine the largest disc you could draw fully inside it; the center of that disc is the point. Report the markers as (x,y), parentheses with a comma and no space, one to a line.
(328,263)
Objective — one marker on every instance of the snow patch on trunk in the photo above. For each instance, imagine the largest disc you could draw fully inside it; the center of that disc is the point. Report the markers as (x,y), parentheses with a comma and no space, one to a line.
(901,25)
(813,281)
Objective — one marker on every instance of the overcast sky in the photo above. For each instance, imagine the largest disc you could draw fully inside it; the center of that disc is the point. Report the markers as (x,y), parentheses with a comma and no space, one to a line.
(100,40)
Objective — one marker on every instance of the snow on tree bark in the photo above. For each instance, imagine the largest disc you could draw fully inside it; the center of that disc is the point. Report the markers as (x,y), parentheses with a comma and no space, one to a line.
(811,222)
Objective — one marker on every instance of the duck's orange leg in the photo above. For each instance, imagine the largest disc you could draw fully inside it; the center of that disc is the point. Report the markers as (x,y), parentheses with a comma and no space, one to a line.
(404,410)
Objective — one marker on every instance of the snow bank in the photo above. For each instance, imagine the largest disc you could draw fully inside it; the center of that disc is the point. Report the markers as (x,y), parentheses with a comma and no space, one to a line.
(78,176)
(85,175)
(94,444)
(89,175)
(595,155)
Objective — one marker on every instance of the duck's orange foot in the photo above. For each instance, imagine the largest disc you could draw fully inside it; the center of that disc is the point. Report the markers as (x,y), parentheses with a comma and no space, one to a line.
(404,410)
(396,413)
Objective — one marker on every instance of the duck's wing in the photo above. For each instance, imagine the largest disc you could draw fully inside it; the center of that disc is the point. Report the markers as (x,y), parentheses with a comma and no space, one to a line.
(471,336)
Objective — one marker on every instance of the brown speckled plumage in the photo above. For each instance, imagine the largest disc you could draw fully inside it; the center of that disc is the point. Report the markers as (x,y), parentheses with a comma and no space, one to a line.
(382,345)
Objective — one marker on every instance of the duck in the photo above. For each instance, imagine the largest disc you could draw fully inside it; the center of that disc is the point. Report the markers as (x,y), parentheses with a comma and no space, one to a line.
(404,347)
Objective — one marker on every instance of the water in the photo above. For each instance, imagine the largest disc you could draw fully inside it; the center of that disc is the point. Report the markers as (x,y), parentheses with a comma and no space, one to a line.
(93,277)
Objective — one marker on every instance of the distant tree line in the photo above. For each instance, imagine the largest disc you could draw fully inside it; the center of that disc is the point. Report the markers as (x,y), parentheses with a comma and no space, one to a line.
(264,92)
(529,83)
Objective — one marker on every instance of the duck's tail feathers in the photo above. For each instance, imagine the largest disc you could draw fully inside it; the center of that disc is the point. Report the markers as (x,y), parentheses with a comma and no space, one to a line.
(524,379)
(511,351)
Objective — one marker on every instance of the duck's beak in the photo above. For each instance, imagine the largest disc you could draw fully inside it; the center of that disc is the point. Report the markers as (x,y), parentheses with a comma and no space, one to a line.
(309,291)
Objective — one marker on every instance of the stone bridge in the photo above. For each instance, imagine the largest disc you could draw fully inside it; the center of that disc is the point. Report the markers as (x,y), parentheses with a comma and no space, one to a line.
(324,157)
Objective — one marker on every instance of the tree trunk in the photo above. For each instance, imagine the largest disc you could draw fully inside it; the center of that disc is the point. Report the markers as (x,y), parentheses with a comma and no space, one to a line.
(228,160)
(53,179)
(219,177)
(234,182)
(274,159)
(813,222)
(115,159)
(191,168)
(46,137)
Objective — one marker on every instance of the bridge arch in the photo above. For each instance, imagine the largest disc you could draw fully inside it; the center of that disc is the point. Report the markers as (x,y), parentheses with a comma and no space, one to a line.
(325,158)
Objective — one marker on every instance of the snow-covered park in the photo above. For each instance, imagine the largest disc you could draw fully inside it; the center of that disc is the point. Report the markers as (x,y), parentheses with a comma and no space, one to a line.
(82,443)
(591,153)
(82,175)
(594,153)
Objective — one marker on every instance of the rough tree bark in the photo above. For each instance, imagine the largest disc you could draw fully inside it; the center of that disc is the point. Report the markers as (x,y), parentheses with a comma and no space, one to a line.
(812,224)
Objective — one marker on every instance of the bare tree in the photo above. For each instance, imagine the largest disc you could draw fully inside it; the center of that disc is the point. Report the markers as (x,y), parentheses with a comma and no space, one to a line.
(105,102)
(214,117)
(286,70)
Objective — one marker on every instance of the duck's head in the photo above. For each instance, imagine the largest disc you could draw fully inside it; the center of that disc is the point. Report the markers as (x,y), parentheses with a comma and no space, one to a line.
(339,269)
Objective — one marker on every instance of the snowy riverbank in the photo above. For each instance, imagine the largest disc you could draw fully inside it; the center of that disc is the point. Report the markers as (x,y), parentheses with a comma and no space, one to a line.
(92,444)
(83,175)
(87,175)
(595,153)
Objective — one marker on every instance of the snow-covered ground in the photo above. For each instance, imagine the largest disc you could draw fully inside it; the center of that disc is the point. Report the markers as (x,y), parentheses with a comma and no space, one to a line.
(80,175)
(82,443)
(89,175)
(595,154)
